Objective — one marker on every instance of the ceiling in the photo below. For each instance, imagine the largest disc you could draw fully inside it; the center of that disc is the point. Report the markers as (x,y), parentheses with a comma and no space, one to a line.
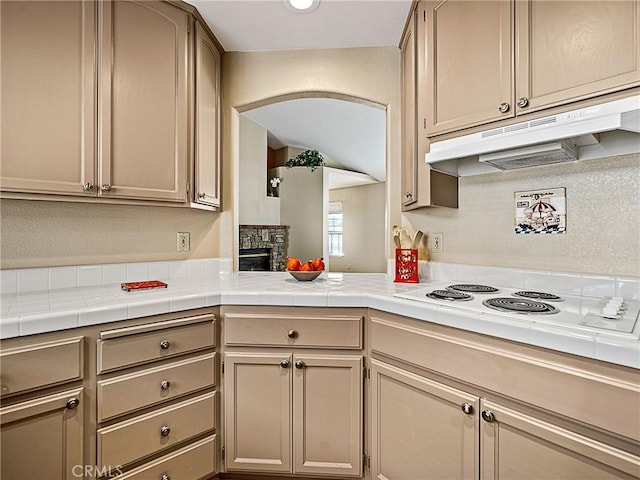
(352,134)
(252,25)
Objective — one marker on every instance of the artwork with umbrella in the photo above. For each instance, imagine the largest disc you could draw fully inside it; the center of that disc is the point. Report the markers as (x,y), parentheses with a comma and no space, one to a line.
(541,211)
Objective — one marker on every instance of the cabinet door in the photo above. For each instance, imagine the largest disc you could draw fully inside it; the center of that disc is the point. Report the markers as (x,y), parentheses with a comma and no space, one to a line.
(207,127)
(517,446)
(470,61)
(570,50)
(42,438)
(419,429)
(258,412)
(327,414)
(409,145)
(48,90)
(143,120)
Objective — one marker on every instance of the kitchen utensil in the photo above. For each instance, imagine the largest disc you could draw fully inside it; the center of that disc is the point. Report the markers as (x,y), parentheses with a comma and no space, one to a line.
(416,239)
(396,241)
(405,238)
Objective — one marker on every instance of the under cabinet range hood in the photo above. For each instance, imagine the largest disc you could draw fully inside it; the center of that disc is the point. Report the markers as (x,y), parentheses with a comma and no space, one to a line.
(603,130)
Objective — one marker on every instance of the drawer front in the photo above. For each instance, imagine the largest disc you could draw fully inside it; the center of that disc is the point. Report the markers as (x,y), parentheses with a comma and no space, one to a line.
(137,390)
(294,331)
(133,349)
(29,368)
(127,441)
(196,461)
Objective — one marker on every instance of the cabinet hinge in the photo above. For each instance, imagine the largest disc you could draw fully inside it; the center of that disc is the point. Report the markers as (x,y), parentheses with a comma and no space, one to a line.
(188,29)
(188,188)
(223,451)
(424,123)
(223,368)
(365,372)
(369,461)
(364,461)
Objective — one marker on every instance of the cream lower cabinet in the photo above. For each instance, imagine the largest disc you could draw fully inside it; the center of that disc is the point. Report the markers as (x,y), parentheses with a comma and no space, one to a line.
(42,438)
(448,404)
(293,391)
(419,428)
(293,413)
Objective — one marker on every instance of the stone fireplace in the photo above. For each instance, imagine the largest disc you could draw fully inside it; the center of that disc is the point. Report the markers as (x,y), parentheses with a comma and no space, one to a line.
(272,237)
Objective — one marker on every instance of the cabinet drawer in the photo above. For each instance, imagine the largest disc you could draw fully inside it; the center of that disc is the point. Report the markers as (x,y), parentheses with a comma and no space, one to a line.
(198,460)
(29,368)
(331,331)
(127,441)
(144,343)
(130,392)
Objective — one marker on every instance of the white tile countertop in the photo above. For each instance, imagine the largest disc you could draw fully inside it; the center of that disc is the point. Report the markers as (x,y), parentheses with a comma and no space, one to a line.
(49,299)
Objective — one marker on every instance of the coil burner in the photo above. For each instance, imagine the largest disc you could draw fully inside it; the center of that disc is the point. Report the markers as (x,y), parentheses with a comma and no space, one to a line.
(550,297)
(472,288)
(449,295)
(519,305)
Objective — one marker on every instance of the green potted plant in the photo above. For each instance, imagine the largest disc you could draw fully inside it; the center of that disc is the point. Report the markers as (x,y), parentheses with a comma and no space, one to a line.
(309,158)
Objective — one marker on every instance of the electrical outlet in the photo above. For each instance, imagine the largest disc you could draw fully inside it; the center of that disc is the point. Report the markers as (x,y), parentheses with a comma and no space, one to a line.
(437,243)
(183,241)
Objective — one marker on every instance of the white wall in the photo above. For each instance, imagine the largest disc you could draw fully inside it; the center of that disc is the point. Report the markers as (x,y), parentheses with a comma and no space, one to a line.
(255,207)
(301,208)
(363,239)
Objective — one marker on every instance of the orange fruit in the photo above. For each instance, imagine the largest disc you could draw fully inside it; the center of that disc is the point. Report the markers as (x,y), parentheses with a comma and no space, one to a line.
(306,267)
(317,264)
(293,263)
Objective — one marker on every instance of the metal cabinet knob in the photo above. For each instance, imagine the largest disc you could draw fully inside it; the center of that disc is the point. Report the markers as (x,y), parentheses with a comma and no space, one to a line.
(164,344)
(164,431)
(292,334)
(165,477)
(202,196)
(408,195)
(504,107)
(467,408)
(73,403)
(488,416)
(165,384)
(300,364)
(87,187)
(284,363)
(523,102)
(105,188)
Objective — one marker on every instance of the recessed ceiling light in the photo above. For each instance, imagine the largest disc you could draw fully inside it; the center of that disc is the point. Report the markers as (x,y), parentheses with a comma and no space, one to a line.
(302,6)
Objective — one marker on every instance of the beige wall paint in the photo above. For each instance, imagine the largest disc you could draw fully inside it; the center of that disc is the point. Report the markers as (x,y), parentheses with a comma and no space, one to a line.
(40,234)
(363,238)
(256,208)
(369,73)
(603,219)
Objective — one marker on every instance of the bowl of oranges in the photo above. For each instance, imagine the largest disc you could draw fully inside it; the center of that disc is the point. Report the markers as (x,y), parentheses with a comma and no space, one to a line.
(307,271)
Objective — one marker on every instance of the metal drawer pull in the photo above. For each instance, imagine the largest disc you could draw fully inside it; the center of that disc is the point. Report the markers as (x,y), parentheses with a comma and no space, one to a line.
(292,334)
(165,477)
(165,384)
(488,416)
(164,344)
(300,364)
(467,408)
(72,403)
(284,363)
(105,188)
(165,431)
(523,102)
(87,187)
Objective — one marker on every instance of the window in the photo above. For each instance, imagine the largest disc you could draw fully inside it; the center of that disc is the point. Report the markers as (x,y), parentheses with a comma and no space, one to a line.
(334,228)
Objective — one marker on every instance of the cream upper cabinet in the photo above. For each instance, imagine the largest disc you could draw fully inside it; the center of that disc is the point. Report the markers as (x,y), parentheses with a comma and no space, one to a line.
(421,429)
(409,146)
(207,120)
(421,186)
(469,58)
(143,127)
(48,96)
(493,60)
(571,50)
